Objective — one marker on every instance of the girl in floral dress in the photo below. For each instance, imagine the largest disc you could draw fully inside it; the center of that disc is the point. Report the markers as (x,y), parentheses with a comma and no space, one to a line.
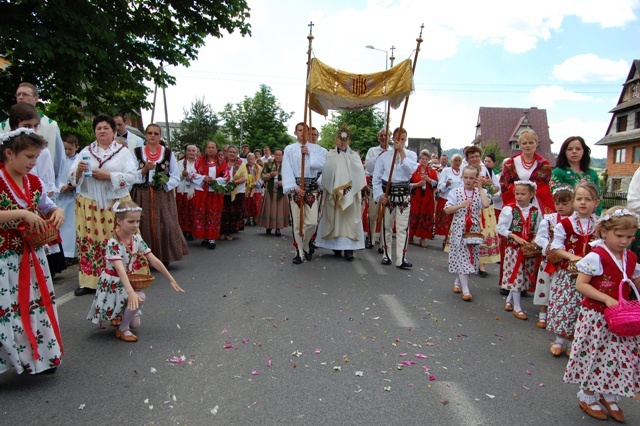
(563,201)
(603,364)
(517,224)
(571,243)
(466,204)
(29,332)
(115,300)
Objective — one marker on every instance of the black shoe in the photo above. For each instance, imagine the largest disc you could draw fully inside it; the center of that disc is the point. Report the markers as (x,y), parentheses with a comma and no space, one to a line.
(189,236)
(348,255)
(405,264)
(338,253)
(211,245)
(278,234)
(380,250)
(297,260)
(269,231)
(504,292)
(386,261)
(367,243)
(312,246)
(205,242)
(81,291)
(309,254)
(524,293)
(483,274)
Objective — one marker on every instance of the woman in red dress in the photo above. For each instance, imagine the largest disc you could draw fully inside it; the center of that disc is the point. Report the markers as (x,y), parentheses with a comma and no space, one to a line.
(423,183)
(208,203)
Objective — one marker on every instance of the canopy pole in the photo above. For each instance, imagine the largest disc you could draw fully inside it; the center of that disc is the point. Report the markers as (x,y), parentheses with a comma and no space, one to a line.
(304,130)
(404,112)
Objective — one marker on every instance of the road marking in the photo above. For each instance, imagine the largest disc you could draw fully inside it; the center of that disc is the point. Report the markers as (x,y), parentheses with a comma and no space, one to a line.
(466,411)
(360,269)
(398,312)
(374,261)
(64,298)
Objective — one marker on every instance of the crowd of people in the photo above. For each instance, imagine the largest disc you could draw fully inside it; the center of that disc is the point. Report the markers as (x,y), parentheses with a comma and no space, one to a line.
(544,226)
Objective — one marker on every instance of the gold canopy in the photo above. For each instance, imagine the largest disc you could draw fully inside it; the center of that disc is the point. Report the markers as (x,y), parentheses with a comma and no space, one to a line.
(331,88)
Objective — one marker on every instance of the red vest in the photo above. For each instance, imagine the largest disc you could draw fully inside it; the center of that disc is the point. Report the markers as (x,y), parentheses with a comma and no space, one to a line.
(10,237)
(609,282)
(573,242)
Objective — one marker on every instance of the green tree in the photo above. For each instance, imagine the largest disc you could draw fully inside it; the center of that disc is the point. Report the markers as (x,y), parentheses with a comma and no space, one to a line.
(200,123)
(364,125)
(257,121)
(96,56)
(493,147)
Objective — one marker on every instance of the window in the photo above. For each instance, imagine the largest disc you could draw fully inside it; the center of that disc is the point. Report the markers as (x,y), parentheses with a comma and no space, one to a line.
(515,145)
(621,124)
(616,185)
(637,126)
(636,154)
(620,155)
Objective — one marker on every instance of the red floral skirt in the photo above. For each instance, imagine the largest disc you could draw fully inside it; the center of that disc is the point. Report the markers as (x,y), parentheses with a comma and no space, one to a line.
(208,215)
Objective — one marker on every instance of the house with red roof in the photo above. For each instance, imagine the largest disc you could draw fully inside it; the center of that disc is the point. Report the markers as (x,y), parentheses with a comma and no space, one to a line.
(623,134)
(504,125)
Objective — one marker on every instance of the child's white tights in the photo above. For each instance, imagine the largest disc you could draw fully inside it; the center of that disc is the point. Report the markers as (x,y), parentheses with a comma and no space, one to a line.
(129,318)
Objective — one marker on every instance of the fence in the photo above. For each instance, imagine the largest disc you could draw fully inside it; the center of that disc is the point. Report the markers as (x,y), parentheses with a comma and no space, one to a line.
(610,199)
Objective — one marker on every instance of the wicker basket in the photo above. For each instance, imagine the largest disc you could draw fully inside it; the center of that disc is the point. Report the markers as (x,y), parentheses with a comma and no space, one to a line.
(39,239)
(572,267)
(531,250)
(623,319)
(553,258)
(140,281)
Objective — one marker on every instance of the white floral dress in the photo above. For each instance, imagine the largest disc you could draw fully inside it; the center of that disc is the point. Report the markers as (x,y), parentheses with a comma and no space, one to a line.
(464,258)
(547,270)
(19,342)
(111,296)
(601,361)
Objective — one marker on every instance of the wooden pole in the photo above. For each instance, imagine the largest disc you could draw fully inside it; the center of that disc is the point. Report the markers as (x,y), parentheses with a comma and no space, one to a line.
(404,112)
(304,130)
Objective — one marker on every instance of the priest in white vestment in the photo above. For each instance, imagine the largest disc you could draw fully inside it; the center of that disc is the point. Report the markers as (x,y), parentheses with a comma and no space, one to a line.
(343,178)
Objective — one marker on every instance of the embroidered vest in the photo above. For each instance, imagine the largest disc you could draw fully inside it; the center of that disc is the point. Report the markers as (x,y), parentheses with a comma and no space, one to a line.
(161,167)
(609,282)
(10,238)
(518,221)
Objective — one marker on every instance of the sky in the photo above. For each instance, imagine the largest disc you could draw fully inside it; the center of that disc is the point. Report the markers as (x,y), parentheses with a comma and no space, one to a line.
(569,57)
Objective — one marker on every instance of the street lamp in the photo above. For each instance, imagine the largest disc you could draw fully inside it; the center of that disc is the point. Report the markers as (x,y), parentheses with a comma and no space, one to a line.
(386,67)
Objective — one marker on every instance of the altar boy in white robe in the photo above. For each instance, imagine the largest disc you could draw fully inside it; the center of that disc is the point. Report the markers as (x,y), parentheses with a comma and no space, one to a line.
(67,201)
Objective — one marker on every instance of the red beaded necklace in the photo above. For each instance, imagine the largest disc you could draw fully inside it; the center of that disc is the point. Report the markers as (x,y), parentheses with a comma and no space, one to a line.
(527,165)
(152,156)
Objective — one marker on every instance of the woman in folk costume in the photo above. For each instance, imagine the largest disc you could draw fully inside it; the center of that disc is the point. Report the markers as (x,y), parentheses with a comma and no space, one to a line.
(517,224)
(423,183)
(275,206)
(490,247)
(233,210)
(450,178)
(157,177)
(103,172)
(253,194)
(563,200)
(208,203)
(571,243)
(29,332)
(465,205)
(67,200)
(185,192)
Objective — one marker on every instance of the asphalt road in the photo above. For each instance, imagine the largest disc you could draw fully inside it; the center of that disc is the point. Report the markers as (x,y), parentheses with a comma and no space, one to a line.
(258,340)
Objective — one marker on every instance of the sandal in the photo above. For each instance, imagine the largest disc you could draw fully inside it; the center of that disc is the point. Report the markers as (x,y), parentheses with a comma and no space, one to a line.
(457,288)
(593,410)
(423,243)
(542,323)
(556,349)
(520,315)
(613,409)
(508,307)
(467,297)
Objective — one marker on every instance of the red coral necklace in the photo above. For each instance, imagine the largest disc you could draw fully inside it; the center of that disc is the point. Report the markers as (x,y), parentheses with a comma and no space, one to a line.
(527,165)
(152,156)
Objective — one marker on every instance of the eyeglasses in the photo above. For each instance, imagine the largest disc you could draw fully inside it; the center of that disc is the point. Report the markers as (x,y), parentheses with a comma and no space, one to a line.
(153,133)
(24,95)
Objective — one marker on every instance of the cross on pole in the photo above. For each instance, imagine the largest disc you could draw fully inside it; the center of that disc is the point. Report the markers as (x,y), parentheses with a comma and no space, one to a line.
(311,24)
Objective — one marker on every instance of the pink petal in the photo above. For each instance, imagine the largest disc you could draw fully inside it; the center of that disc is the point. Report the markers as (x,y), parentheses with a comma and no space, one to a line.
(269,362)
(420,356)
(432,378)
(408,362)
(402,354)
(528,372)
(255,373)
(245,341)
(318,351)
(224,331)
(227,346)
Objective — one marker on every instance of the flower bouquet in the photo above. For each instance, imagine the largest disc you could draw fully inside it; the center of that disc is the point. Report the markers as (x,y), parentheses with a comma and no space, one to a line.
(159,180)
(221,189)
